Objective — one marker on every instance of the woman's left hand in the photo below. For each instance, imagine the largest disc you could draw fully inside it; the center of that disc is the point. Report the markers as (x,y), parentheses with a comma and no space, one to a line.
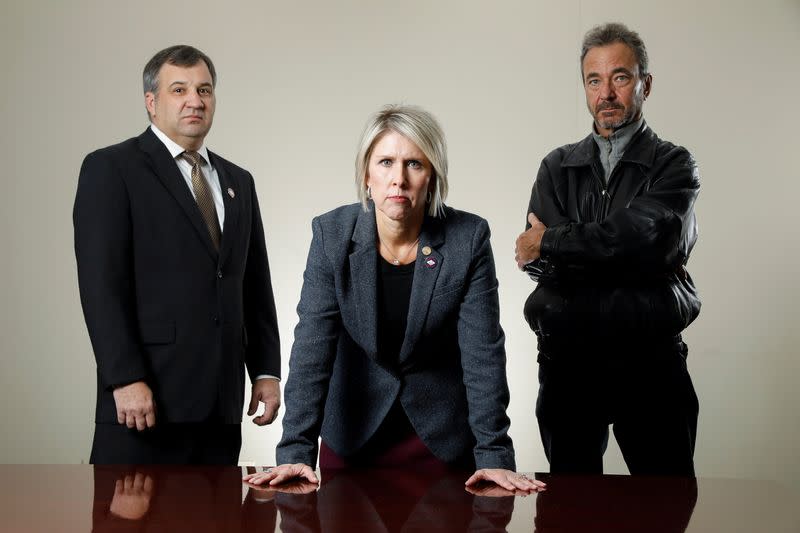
(281,474)
(507,479)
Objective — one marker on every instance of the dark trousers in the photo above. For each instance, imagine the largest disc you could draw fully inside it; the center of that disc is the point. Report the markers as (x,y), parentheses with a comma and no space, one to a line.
(183,444)
(643,392)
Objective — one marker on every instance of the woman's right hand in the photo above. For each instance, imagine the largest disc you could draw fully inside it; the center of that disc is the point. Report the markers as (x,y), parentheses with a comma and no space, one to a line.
(281,473)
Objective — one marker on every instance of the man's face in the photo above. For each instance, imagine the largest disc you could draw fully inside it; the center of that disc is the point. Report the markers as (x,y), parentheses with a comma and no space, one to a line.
(183,106)
(614,87)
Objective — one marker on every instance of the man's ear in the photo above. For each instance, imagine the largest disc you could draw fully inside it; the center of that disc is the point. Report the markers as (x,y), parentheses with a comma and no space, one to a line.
(150,103)
(648,84)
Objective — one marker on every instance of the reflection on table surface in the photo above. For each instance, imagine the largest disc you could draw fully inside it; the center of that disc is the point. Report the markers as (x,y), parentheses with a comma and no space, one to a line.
(198,499)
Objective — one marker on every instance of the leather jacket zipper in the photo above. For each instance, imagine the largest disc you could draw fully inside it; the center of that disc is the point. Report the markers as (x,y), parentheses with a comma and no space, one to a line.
(605,198)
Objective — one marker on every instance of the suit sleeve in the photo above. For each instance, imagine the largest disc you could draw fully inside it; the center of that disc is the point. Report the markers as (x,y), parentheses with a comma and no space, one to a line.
(483,359)
(311,361)
(263,352)
(104,255)
(644,237)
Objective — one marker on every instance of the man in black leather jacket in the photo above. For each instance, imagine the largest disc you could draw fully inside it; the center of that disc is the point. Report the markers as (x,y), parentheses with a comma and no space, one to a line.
(610,228)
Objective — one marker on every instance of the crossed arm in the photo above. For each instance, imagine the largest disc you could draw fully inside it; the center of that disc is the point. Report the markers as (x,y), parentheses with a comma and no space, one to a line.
(643,238)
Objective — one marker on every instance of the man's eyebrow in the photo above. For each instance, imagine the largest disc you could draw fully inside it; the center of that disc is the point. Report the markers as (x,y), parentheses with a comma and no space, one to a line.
(181,82)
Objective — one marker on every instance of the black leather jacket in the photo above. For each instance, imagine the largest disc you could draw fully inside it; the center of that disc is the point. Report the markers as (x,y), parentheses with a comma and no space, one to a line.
(613,257)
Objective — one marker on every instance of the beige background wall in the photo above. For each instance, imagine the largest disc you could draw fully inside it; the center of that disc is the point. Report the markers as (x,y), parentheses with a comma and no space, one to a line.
(297,81)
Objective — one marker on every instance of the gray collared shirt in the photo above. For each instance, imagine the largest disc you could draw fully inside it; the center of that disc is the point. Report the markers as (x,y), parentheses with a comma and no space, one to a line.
(612,148)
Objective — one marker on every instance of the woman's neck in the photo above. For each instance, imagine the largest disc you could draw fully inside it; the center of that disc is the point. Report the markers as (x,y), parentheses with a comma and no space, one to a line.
(398,240)
(397,233)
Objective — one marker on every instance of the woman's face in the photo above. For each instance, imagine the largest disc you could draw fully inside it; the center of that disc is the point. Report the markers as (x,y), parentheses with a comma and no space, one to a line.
(399,176)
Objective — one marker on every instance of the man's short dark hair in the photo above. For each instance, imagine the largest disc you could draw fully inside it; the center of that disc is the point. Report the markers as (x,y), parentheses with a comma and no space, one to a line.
(180,55)
(615,32)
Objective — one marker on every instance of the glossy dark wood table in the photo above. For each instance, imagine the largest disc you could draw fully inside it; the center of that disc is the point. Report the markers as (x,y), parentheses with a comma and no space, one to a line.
(85,498)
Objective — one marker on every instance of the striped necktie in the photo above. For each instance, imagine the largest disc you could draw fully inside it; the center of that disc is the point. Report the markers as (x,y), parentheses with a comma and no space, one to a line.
(202,194)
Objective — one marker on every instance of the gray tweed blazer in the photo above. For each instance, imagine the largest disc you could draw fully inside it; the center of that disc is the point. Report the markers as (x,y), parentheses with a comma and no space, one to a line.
(452,378)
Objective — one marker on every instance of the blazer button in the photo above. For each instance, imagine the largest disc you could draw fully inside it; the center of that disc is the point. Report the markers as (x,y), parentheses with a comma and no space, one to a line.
(216,321)
(219,274)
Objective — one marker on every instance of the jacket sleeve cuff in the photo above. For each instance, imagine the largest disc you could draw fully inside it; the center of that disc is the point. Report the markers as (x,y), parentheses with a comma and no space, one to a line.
(291,455)
(549,245)
(495,460)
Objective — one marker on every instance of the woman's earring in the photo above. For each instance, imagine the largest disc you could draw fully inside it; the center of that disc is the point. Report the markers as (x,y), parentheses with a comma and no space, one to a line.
(369,193)
(430,197)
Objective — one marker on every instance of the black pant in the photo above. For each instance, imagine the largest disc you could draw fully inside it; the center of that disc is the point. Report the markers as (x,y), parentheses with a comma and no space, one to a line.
(644,392)
(196,444)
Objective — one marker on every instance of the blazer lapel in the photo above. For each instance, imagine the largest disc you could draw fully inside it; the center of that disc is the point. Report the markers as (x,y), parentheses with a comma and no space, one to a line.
(232,203)
(164,166)
(426,272)
(364,272)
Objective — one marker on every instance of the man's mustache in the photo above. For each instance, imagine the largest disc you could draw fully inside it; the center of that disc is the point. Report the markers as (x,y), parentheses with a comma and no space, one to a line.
(609,105)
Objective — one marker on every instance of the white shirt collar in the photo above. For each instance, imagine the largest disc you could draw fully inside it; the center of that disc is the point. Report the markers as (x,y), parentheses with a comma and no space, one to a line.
(174,148)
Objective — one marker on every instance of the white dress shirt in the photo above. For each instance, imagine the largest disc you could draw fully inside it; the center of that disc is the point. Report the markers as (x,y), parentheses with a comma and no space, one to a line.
(209,172)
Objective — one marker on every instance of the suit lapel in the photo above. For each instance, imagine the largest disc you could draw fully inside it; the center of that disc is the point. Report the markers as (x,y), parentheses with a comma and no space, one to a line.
(426,272)
(164,166)
(364,272)
(232,205)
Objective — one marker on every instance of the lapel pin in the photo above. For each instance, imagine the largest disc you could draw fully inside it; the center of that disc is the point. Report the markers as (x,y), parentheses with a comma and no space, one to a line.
(426,250)
(431,262)
(231,193)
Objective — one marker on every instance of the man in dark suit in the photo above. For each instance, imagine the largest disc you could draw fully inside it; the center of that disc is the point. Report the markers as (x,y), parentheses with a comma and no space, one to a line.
(174,281)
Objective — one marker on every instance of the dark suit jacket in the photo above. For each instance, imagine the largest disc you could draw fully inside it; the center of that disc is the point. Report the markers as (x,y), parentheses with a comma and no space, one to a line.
(160,303)
(452,377)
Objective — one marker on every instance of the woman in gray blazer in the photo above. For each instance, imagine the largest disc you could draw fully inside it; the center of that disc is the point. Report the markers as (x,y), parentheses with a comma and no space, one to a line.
(398,358)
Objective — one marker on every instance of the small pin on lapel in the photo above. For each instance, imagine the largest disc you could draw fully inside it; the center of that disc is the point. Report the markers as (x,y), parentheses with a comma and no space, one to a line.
(231,193)
(431,262)
(426,250)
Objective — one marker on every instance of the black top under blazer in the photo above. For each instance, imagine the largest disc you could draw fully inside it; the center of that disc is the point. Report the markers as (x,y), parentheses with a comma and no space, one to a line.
(161,304)
(452,365)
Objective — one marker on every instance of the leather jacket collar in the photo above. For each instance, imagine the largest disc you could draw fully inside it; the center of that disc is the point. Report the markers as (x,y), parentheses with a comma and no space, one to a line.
(641,150)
